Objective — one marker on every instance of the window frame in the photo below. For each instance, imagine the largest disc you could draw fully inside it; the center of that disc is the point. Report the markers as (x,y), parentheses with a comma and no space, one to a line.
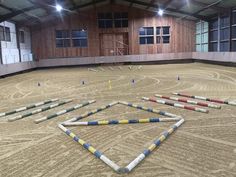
(105,20)
(22,37)
(122,19)
(6,33)
(160,37)
(63,38)
(146,36)
(201,33)
(80,38)
(165,35)
(233,28)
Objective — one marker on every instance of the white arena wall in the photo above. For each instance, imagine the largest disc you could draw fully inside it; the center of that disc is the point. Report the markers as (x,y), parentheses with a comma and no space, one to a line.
(216,57)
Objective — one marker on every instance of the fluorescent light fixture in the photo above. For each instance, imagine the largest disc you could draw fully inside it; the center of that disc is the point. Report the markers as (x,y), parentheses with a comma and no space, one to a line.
(160,12)
(59,7)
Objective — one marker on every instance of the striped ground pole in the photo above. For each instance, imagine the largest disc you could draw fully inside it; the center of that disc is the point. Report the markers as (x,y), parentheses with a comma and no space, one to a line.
(148,109)
(177,105)
(90,148)
(123,121)
(91,112)
(28,107)
(38,110)
(64,111)
(91,69)
(189,101)
(102,69)
(153,146)
(207,99)
(137,160)
(98,154)
(111,68)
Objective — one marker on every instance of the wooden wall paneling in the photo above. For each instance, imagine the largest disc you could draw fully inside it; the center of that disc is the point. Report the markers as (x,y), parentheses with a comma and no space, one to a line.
(182,33)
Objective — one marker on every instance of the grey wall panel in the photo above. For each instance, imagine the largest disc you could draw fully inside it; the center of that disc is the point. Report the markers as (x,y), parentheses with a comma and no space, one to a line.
(16,67)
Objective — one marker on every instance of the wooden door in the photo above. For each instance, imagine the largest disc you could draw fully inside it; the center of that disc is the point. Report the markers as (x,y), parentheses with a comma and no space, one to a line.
(114,44)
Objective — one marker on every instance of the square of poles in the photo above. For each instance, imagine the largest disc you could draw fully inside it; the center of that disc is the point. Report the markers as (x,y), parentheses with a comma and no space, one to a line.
(164,135)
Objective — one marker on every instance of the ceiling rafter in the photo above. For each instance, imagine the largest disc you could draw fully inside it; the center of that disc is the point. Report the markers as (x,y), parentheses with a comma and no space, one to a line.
(215,7)
(181,5)
(130,5)
(15,13)
(166,4)
(54,15)
(5,7)
(72,2)
(207,7)
(168,9)
(151,3)
(87,4)
(46,7)
(26,14)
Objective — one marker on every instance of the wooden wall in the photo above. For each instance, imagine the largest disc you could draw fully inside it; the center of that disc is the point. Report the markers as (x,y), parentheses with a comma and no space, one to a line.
(182,33)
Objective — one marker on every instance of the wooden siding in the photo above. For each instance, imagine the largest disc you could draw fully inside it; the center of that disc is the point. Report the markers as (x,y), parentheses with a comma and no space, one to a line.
(182,33)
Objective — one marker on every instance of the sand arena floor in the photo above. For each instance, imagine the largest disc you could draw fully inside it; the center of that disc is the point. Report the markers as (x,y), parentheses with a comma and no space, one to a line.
(205,145)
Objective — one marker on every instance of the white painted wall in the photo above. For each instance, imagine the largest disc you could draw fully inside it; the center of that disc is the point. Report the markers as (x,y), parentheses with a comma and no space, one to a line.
(25,48)
(10,52)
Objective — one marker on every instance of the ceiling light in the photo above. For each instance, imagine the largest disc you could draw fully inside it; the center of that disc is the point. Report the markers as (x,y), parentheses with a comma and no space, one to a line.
(59,8)
(160,12)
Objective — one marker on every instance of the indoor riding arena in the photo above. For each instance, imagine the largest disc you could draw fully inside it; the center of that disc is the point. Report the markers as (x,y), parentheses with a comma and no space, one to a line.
(110,88)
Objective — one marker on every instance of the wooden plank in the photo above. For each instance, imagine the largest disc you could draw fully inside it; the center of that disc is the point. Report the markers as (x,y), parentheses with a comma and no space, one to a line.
(182,33)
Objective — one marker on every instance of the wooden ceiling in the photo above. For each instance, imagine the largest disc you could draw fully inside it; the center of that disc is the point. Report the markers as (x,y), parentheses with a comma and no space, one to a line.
(31,12)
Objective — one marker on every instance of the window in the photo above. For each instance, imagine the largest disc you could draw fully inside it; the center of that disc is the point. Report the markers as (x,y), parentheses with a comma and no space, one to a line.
(213,46)
(5,34)
(233,46)
(224,46)
(121,20)
(158,34)
(2,38)
(146,35)
(224,33)
(163,35)
(214,35)
(220,34)
(22,36)
(202,36)
(110,20)
(62,38)
(166,34)
(79,38)
(105,20)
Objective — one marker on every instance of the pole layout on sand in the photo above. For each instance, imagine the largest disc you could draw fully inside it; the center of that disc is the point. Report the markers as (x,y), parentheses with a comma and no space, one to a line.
(189,101)
(38,111)
(28,107)
(207,99)
(176,105)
